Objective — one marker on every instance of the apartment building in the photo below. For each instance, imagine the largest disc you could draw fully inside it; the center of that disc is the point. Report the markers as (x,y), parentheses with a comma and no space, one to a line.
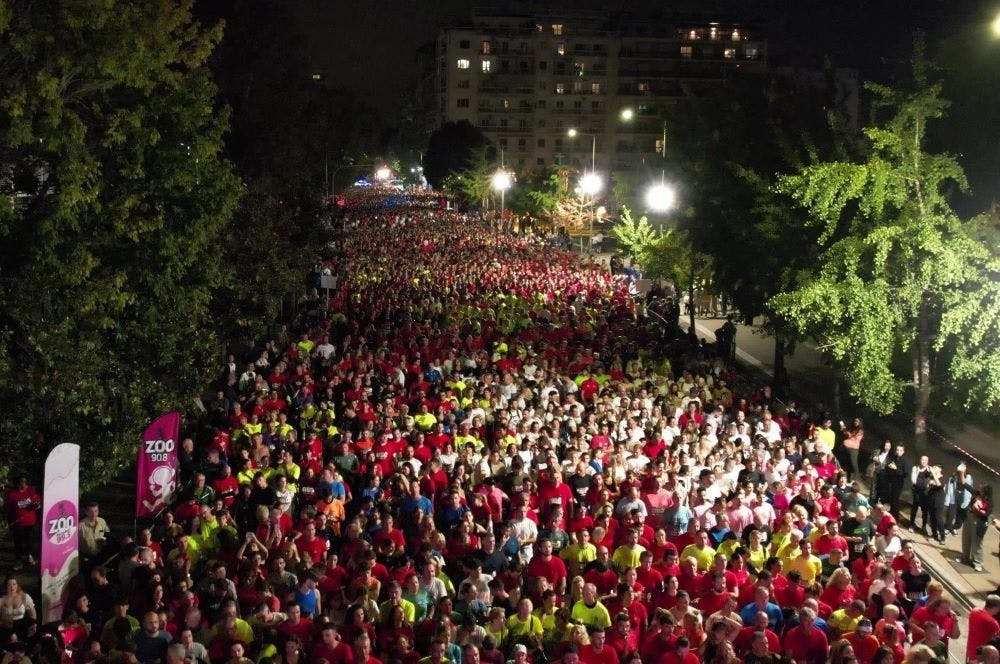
(527,79)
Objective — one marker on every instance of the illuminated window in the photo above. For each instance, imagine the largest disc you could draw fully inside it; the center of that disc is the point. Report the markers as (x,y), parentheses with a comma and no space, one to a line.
(736,34)
(644,87)
(687,51)
(560,88)
(505,103)
(693,34)
(595,88)
(557,29)
(463,63)
(729,53)
(486,47)
(713,32)
(486,66)
(659,146)
(561,48)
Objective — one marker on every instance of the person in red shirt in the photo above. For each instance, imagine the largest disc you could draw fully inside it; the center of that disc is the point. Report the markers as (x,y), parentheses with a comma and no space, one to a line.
(743,642)
(597,651)
(226,486)
(863,641)
(681,654)
(332,649)
(623,639)
(23,502)
(983,626)
(295,624)
(548,566)
(805,643)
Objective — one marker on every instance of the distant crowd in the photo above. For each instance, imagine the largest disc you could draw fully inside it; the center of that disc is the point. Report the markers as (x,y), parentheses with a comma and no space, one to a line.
(478,448)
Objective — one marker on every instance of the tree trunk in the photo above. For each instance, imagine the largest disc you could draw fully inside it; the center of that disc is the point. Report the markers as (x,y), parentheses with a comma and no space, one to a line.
(780,372)
(691,297)
(921,380)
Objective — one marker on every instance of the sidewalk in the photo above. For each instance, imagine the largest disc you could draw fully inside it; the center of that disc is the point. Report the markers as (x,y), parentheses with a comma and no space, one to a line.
(819,383)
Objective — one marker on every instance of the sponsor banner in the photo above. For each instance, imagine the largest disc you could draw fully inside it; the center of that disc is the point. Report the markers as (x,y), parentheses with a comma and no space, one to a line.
(60,521)
(157,465)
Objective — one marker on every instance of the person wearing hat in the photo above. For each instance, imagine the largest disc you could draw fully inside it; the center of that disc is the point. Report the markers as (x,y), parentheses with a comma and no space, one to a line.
(519,654)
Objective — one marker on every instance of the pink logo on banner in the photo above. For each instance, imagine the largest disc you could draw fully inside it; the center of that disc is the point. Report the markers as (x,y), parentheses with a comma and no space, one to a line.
(60,544)
(157,465)
(60,530)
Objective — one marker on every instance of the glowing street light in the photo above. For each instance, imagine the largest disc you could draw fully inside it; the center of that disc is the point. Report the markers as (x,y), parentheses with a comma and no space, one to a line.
(501,181)
(572,133)
(995,27)
(627,114)
(660,197)
(383,173)
(591,184)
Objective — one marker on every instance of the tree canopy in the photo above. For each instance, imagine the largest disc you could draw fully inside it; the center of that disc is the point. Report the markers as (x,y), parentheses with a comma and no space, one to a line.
(115,195)
(449,150)
(900,277)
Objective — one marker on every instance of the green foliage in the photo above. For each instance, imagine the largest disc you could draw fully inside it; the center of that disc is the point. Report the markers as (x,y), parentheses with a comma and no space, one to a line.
(115,196)
(899,273)
(635,236)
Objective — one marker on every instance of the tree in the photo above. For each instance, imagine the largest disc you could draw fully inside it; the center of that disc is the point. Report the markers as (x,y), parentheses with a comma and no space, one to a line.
(894,256)
(635,236)
(727,146)
(449,149)
(114,198)
(668,254)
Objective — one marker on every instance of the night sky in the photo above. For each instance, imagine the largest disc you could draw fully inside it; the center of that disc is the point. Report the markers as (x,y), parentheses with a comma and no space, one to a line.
(369,48)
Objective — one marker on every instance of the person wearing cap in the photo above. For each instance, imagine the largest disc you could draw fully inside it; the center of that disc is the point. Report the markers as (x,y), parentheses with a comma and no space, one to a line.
(519,654)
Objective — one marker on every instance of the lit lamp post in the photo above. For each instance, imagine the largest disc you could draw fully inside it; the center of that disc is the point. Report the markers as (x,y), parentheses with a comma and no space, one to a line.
(383,173)
(501,181)
(660,198)
(995,26)
(590,185)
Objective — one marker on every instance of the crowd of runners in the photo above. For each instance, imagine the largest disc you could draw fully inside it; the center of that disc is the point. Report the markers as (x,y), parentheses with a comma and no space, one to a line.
(478,448)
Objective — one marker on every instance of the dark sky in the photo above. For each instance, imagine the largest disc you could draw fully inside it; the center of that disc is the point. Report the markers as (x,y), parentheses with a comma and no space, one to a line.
(369,47)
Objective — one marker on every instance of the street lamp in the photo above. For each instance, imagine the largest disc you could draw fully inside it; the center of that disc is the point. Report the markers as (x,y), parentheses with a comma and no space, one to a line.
(995,26)
(383,173)
(501,181)
(590,185)
(627,114)
(660,197)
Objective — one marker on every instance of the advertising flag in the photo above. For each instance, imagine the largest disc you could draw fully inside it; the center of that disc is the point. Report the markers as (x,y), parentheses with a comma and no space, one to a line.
(157,465)
(60,544)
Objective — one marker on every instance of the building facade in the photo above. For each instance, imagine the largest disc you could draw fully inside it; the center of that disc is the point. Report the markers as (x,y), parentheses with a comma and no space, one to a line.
(528,79)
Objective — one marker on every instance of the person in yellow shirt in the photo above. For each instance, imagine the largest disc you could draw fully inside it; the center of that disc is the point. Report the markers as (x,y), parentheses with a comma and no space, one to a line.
(806,564)
(627,555)
(524,626)
(826,435)
(579,553)
(701,551)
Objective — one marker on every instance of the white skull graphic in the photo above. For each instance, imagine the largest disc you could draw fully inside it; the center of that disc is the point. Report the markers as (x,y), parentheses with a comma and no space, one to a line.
(161,482)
